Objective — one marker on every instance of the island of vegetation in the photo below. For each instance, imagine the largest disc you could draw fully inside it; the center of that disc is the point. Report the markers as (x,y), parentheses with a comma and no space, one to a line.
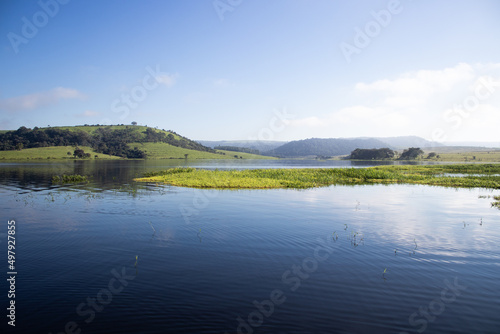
(459,176)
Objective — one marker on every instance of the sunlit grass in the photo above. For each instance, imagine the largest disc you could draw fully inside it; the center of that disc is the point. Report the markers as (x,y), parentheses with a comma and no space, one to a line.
(52,152)
(481,176)
(167,151)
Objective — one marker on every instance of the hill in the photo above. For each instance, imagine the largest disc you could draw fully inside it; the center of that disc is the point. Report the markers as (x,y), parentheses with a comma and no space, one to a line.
(52,152)
(102,142)
(324,147)
(408,141)
(259,145)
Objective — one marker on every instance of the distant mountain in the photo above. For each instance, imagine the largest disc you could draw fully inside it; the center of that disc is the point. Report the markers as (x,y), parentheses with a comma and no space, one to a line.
(324,147)
(260,145)
(409,141)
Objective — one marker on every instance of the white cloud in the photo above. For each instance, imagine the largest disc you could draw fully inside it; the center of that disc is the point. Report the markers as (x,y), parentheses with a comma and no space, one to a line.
(414,103)
(38,100)
(166,79)
(423,82)
(89,113)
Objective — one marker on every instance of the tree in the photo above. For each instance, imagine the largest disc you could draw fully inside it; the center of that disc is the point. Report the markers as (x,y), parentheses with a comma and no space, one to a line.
(78,153)
(186,155)
(372,154)
(411,153)
(431,155)
(134,123)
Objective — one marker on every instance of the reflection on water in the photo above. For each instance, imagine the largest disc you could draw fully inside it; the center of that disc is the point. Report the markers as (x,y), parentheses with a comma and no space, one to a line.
(357,259)
(119,173)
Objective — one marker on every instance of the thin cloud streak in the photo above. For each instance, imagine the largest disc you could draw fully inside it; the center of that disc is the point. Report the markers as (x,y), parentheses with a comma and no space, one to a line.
(39,100)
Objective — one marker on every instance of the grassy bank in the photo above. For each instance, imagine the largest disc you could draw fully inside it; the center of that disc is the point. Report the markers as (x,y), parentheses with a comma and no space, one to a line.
(153,151)
(166,151)
(53,152)
(468,156)
(483,176)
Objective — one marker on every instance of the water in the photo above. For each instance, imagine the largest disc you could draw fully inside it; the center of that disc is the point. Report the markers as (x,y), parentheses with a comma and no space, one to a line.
(248,261)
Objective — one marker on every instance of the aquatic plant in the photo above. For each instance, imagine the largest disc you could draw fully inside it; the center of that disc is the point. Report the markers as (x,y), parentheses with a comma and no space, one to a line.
(496,203)
(75,178)
(483,176)
(154,231)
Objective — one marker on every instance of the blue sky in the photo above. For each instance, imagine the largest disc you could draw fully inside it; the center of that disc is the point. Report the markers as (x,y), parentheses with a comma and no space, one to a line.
(241,69)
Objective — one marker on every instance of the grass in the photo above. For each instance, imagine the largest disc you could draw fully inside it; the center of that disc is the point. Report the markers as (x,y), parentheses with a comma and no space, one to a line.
(470,156)
(167,151)
(496,203)
(244,155)
(75,178)
(153,151)
(481,176)
(52,152)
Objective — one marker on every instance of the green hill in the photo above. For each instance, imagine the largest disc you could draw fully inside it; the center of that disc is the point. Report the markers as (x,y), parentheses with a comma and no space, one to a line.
(166,151)
(103,142)
(52,152)
(323,147)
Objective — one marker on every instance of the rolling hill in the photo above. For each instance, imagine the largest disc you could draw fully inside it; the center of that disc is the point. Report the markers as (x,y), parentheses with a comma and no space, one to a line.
(408,141)
(104,142)
(323,147)
(259,145)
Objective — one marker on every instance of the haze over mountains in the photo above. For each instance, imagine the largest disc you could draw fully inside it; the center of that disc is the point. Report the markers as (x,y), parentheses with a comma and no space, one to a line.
(324,146)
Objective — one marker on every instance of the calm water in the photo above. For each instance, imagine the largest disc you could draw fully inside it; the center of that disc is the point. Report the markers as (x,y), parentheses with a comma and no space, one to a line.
(252,261)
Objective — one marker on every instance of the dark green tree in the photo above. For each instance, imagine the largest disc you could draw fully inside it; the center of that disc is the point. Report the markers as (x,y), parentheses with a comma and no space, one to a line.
(411,153)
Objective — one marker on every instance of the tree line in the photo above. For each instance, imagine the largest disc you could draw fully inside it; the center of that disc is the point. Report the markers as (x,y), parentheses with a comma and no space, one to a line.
(385,153)
(237,149)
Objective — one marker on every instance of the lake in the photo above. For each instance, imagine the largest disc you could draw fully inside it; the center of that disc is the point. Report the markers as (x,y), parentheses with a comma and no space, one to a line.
(114,256)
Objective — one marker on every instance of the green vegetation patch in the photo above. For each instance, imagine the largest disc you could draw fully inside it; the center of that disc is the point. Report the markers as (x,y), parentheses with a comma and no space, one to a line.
(497,202)
(53,152)
(482,176)
(467,156)
(75,178)
(167,151)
